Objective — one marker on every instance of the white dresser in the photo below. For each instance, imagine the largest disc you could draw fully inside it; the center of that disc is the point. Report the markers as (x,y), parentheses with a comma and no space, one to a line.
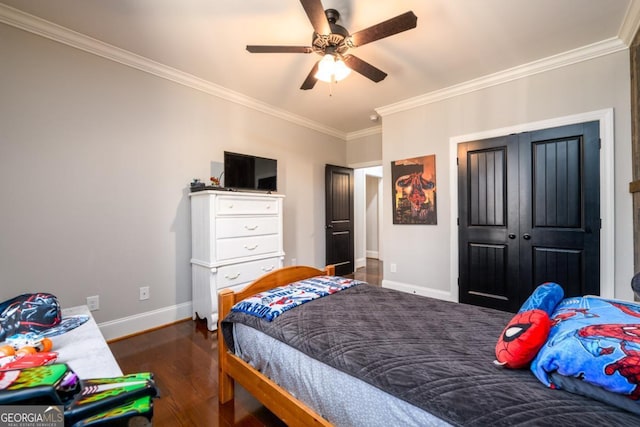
(236,237)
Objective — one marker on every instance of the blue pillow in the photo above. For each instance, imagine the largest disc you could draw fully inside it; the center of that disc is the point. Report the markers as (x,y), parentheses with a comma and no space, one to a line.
(545,297)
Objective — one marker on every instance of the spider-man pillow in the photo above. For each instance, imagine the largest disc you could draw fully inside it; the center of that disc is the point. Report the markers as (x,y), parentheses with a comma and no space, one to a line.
(528,330)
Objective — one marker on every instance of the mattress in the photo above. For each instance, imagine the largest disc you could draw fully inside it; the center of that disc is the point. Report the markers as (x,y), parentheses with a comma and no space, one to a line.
(346,401)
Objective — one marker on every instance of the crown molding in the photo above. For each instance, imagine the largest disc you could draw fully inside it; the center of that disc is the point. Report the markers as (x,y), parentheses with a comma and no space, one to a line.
(584,53)
(43,28)
(58,33)
(374,130)
(631,23)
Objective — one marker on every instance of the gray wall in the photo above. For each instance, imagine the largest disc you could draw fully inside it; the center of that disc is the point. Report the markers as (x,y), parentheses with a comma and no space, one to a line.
(95,161)
(366,150)
(422,253)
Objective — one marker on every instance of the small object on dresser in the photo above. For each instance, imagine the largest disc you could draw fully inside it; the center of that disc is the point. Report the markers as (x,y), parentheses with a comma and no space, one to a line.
(215,182)
(196,184)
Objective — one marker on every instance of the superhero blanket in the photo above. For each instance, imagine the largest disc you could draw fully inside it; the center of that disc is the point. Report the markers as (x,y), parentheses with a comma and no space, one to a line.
(594,340)
(436,355)
(273,302)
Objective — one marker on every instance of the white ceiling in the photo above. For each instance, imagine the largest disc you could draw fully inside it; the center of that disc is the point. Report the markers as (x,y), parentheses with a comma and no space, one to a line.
(456,41)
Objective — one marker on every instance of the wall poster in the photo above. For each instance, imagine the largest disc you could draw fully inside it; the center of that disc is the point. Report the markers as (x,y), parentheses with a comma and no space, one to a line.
(414,190)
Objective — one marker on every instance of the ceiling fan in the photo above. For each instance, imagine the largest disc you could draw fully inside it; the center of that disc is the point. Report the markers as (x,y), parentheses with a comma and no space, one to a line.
(332,41)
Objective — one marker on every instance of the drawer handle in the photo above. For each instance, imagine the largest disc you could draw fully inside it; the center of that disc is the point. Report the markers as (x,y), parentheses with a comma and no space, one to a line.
(251,227)
(268,206)
(230,205)
(267,268)
(234,277)
(251,247)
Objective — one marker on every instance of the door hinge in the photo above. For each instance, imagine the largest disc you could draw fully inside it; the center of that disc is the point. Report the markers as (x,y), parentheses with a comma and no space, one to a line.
(599,143)
(458,221)
(600,223)
(457,161)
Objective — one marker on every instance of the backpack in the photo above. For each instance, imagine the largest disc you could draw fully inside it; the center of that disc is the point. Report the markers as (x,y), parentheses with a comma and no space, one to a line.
(29,313)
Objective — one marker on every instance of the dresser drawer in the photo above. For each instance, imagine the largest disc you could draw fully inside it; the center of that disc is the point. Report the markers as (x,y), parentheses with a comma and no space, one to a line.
(230,205)
(240,247)
(246,226)
(242,274)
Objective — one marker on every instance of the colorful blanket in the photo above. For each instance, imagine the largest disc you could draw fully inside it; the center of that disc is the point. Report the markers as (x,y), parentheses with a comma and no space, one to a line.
(272,303)
(594,340)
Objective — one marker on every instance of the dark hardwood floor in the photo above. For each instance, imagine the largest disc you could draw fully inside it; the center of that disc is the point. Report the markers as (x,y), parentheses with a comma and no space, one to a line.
(183,358)
(371,273)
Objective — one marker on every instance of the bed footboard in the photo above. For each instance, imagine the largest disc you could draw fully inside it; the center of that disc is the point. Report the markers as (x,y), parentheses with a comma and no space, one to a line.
(231,368)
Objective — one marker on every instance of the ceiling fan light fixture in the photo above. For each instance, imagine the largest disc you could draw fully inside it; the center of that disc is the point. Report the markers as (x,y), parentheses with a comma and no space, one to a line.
(332,68)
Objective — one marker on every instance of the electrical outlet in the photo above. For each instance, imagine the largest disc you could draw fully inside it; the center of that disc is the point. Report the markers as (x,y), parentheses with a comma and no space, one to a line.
(393,267)
(93,303)
(144,293)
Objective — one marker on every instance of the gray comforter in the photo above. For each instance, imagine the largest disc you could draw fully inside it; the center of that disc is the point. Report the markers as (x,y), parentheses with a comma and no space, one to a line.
(434,354)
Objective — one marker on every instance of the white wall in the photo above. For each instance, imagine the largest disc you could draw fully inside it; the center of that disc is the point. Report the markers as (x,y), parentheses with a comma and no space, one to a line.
(422,253)
(95,162)
(372,205)
(359,213)
(363,179)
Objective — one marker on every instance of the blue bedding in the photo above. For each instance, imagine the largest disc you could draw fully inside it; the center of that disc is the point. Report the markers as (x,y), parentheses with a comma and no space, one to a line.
(273,302)
(594,340)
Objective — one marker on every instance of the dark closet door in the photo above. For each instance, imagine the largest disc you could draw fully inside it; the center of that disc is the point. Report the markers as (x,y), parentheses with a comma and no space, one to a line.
(560,208)
(488,222)
(544,185)
(339,218)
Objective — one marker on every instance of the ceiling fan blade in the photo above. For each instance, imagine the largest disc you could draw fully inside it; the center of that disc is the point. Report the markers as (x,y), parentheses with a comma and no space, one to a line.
(315,12)
(387,28)
(364,68)
(279,49)
(310,81)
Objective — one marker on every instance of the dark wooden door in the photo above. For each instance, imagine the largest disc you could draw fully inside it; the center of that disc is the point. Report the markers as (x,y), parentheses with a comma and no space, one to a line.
(339,218)
(488,217)
(529,212)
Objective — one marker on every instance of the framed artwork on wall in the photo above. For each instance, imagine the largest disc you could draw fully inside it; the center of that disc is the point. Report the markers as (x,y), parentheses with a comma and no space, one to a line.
(414,190)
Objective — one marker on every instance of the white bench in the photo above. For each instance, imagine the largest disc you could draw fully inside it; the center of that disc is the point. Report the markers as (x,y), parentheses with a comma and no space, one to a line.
(84,348)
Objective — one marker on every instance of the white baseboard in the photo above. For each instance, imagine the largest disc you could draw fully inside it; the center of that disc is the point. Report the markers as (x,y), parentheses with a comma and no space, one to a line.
(419,290)
(372,254)
(361,262)
(144,321)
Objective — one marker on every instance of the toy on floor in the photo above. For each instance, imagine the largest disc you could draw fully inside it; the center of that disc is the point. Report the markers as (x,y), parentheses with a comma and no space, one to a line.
(91,402)
(30,342)
(26,351)
(16,361)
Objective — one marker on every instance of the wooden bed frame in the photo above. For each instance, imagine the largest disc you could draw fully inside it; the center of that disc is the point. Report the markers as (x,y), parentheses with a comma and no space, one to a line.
(231,368)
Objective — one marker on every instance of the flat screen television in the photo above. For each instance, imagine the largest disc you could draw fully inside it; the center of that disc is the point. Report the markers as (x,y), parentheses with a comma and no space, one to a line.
(245,172)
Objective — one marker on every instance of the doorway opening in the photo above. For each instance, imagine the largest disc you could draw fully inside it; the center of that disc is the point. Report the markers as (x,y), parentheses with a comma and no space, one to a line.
(368,220)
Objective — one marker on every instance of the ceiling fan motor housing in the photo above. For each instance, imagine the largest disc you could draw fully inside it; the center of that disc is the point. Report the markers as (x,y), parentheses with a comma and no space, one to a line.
(333,42)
